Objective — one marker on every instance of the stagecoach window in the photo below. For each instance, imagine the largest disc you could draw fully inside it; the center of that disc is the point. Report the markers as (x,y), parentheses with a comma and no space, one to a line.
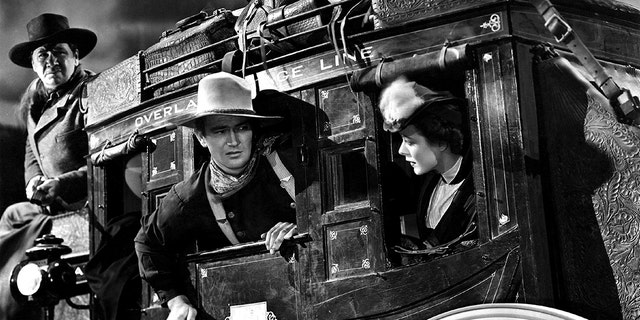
(343,108)
(163,161)
(346,177)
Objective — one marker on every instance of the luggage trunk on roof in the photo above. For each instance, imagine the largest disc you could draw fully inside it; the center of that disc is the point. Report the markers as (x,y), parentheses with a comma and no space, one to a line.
(190,34)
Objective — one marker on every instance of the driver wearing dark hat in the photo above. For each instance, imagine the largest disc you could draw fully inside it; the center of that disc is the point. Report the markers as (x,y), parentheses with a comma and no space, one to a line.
(55,168)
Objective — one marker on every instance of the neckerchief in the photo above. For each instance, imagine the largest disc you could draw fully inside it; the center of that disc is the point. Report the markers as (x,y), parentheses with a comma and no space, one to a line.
(225,184)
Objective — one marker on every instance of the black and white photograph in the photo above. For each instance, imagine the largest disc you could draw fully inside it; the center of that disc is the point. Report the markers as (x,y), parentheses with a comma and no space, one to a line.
(320,159)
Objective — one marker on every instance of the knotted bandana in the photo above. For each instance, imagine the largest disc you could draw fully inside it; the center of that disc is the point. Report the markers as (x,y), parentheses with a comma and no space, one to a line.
(225,184)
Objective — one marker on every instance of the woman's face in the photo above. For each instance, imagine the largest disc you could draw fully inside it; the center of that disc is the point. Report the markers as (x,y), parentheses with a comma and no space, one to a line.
(421,154)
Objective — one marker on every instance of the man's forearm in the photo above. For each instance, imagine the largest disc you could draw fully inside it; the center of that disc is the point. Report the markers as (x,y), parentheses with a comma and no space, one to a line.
(73,184)
(156,269)
(31,165)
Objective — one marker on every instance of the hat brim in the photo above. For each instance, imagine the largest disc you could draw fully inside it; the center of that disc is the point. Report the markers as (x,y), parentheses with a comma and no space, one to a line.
(425,107)
(189,120)
(84,39)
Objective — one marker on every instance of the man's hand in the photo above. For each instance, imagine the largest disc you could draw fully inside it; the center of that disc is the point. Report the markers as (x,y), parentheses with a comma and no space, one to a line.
(281,231)
(181,309)
(32,185)
(51,190)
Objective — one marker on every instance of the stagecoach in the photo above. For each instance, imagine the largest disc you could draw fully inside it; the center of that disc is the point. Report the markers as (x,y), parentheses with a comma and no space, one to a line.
(539,238)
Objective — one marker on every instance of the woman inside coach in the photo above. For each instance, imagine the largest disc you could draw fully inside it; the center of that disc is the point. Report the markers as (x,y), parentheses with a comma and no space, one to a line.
(435,144)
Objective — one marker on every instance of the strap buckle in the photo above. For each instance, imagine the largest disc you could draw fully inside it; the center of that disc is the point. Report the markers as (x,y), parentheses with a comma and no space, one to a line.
(552,24)
(629,105)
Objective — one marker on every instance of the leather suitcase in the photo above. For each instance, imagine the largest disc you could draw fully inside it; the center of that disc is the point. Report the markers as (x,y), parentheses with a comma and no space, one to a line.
(190,34)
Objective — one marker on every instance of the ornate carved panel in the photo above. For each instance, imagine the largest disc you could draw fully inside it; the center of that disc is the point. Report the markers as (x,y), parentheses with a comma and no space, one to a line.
(391,12)
(349,249)
(113,91)
(617,200)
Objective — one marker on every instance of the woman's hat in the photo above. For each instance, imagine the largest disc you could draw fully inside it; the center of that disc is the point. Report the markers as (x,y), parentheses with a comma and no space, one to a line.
(403,100)
(51,28)
(224,94)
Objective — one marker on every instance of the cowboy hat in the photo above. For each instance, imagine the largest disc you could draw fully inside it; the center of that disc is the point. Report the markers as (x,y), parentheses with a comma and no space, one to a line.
(402,101)
(224,94)
(51,28)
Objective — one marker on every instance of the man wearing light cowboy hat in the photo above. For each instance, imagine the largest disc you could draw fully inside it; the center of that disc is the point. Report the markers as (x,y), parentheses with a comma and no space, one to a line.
(244,193)
(55,168)
(435,144)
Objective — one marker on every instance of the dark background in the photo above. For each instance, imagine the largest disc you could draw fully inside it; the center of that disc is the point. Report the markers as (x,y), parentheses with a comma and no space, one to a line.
(123,27)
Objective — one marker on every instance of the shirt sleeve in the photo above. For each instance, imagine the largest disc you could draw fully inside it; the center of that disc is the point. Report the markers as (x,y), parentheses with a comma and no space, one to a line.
(73,183)
(160,246)
(31,165)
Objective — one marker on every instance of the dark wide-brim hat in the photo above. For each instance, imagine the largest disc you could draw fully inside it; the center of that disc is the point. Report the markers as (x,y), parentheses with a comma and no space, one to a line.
(51,28)
(403,101)
(224,94)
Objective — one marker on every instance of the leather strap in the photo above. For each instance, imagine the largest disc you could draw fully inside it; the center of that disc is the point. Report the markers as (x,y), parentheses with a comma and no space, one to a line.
(622,101)
(263,49)
(221,218)
(219,213)
(242,33)
(442,59)
(287,181)
(343,25)
(331,28)
(378,74)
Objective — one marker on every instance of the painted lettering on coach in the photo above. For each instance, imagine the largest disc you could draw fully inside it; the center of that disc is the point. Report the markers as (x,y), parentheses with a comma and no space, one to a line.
(163,112)
(324,65)
(143,122)
(362,54)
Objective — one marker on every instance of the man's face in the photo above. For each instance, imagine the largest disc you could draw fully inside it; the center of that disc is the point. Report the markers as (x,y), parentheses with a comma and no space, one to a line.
(228,139)
(54,64)
(421,154)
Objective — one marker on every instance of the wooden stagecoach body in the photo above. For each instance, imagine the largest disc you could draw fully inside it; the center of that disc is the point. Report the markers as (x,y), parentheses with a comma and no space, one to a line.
(346,267)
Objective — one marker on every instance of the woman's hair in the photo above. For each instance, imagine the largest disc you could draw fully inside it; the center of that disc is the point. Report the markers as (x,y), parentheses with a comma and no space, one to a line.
(438,130)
